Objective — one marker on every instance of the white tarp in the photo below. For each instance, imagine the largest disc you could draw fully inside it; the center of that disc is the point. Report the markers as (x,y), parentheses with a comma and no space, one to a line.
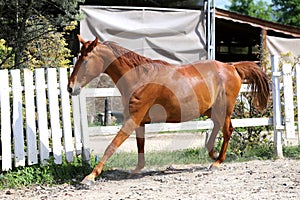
(277,45)
(173,35)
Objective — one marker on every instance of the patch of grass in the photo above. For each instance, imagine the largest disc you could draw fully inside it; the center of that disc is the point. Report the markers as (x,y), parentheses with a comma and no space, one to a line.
(291,151)
(262,151)
(24,176)
(126,161)
(48,174)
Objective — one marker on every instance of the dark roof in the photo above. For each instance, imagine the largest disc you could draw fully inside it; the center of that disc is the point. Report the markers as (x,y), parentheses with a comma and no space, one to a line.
(256,22)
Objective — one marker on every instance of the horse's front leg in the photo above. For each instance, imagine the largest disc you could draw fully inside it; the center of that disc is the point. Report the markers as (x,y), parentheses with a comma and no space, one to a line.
(122,135)
(140,141)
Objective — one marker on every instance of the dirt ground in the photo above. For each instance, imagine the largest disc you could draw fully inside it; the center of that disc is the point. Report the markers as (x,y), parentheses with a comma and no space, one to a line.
(279,179)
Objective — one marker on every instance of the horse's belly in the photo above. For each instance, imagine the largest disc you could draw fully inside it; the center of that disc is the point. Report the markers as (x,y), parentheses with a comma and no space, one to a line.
(175,111)
(178,104)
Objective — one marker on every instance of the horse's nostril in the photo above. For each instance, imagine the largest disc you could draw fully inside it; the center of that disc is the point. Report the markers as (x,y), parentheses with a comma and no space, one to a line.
(70,90)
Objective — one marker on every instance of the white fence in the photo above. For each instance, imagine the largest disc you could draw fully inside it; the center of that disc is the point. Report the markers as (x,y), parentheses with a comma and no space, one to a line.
(36,119)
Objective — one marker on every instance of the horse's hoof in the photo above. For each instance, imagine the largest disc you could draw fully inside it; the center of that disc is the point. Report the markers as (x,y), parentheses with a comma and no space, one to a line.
(213,168)
(88,181)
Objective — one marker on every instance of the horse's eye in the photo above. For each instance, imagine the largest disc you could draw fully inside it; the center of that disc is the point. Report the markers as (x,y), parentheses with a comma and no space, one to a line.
(84,62)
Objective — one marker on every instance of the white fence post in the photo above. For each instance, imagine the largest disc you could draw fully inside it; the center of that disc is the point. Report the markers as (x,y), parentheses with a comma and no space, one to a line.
(5,121)
(56,132)
(76,122)
(42,117)
(84,127)
(30,117)
(66,117)
(18,133)
(288,101)
(277,119)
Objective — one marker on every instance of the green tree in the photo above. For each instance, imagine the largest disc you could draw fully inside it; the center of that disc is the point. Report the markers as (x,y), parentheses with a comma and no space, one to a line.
(4,51)
(259,9)
(287,11)
(29,24)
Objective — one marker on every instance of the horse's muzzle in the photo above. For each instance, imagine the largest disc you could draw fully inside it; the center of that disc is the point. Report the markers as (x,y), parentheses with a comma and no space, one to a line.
(70,90)
(73,91)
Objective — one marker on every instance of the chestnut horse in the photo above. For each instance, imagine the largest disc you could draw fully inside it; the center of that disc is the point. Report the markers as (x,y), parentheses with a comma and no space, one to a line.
(156,91)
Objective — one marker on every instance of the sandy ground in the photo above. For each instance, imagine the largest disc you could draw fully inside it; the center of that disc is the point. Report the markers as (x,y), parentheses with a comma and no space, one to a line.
(279,179)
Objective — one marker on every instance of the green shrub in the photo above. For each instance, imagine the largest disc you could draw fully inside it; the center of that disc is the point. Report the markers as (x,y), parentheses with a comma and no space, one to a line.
(49,174)
(291,151)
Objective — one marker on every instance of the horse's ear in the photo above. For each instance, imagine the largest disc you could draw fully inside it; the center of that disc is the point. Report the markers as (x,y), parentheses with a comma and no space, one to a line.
(95,42)
(81,40)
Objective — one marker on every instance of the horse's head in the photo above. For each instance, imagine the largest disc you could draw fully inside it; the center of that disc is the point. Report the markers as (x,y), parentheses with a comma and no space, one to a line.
(91,62)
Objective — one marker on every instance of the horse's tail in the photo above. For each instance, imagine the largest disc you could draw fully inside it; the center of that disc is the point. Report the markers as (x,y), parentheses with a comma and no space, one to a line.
(258,80)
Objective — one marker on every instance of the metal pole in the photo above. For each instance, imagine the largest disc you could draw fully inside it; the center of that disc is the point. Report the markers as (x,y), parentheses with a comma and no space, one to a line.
(213,27)
(106,112)
(208,31)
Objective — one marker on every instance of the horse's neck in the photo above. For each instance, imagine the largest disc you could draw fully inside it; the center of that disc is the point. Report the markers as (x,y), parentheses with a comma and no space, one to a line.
(122,75)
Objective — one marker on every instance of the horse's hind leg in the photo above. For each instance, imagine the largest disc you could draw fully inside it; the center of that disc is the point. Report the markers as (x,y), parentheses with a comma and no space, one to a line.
(140,141)
(220,114)
(227,131)
(213,154)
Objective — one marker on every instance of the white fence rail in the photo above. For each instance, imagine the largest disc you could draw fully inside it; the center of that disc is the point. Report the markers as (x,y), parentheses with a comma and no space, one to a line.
(163,127)
(36,120)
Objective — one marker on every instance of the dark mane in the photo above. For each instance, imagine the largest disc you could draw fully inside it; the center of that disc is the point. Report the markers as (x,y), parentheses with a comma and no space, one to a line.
(131,58)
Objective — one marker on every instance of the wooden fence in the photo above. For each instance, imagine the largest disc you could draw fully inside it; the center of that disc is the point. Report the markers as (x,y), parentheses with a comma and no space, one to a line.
(38,119)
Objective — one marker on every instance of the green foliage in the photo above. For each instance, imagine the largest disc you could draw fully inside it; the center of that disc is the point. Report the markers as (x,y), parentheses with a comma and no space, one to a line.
(291,151)
(260,151)
(49,51)
(287,12)
(281,11)
(4,52)
(48,174)
(259,9)
(25,176)
(26,25)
